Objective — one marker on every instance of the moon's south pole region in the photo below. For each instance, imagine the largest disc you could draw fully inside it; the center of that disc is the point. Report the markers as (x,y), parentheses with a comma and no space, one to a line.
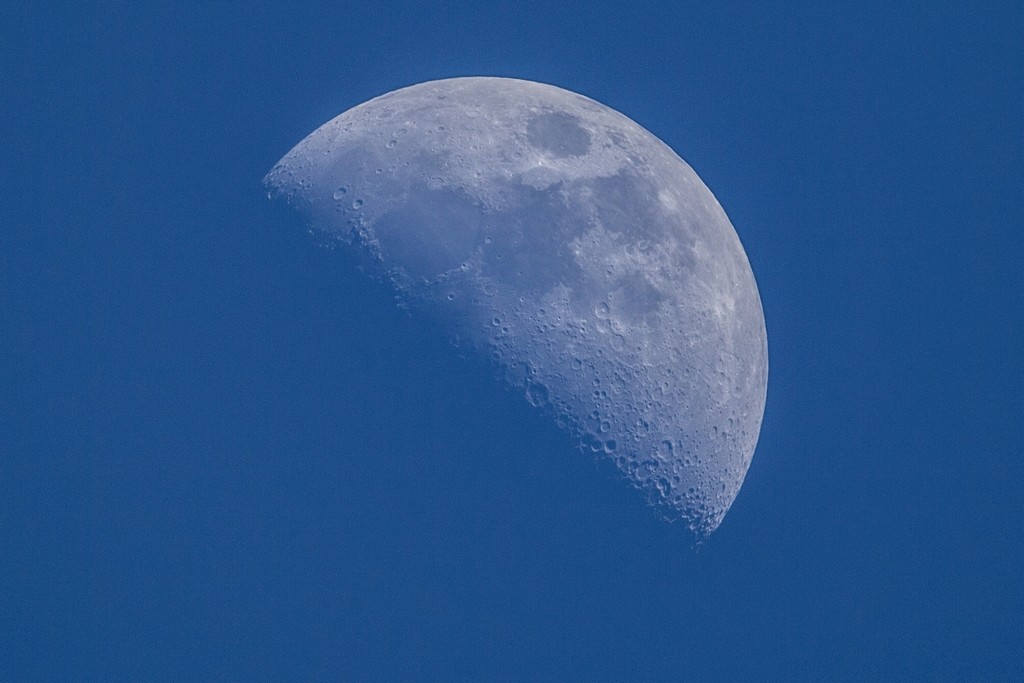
(572,247)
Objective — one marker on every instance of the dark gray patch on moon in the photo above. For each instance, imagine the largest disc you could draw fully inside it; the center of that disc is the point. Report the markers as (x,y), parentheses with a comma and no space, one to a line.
(425,254)
(636,298)
(530,247)
(559,134)
(620,208)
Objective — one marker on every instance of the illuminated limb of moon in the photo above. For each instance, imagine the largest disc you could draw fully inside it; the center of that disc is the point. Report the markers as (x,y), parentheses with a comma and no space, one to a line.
(573,247)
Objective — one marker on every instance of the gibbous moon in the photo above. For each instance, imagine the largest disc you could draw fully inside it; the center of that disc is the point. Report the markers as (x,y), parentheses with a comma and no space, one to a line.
(576,250)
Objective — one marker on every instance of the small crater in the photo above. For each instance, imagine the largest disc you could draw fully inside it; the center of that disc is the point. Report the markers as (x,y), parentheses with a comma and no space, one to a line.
(537,394)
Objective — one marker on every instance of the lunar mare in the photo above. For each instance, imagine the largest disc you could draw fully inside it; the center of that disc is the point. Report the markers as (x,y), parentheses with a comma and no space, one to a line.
(577,250)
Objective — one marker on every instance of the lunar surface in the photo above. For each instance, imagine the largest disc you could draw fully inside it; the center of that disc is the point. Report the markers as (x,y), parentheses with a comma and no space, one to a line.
(576,250)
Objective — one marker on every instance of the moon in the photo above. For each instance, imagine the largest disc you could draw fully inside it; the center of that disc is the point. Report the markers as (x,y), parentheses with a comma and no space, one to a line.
(576,250)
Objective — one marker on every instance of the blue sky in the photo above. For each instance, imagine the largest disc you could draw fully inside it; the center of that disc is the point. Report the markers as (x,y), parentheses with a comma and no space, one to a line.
(225,455)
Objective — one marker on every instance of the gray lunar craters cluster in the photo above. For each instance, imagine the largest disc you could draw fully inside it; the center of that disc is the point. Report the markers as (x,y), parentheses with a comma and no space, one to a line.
(576,249)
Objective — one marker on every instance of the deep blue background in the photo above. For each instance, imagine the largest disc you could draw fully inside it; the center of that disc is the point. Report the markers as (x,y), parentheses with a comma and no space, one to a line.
(225,455)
